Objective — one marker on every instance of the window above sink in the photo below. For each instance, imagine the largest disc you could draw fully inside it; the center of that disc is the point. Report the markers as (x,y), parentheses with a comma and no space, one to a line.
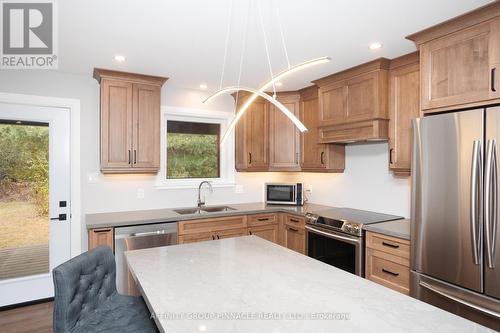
(226,153)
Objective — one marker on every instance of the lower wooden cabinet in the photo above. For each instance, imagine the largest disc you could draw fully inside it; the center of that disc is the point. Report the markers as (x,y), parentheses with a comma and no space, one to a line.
(101,236)
(295,239)
(231,233)
(387,261)
(267,232)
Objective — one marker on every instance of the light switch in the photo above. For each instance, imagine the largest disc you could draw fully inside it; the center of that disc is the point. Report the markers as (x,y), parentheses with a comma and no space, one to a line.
(238,189)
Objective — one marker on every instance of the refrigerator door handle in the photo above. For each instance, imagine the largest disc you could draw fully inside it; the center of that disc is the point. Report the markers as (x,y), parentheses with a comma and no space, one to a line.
(476,191)
(444,293)
(491,202)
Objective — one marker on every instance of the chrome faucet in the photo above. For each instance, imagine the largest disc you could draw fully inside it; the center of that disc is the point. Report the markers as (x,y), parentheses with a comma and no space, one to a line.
(200,202)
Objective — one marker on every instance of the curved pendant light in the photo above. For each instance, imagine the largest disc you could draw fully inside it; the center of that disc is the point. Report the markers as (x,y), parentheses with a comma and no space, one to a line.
(260,92)
(268,98)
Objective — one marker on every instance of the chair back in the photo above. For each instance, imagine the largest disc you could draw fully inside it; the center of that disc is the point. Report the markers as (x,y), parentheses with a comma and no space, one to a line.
(80,285)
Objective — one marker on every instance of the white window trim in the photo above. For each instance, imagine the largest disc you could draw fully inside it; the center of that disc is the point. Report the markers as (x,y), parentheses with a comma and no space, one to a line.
(227,169)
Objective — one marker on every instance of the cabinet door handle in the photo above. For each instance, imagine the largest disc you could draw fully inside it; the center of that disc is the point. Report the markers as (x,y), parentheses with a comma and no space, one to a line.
(296,158)
(293,229)
(390,245)
(218,237)
(493,88)
(294,220)
(263,219)
(101,230)
(250,232)
(129,157)
(249,158)
(213,237)
(390,155)
(135,156)
(321,158)
(389,272)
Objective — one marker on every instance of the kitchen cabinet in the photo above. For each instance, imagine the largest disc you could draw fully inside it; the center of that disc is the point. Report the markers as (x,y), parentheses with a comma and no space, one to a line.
(212,225)
(284,137)
(268,232)
(252,136)
(294,235)
(316,157)
(404,106)
(130,121)
(387,261)
(100,236)
(353,104)
(460,60)
(295,239)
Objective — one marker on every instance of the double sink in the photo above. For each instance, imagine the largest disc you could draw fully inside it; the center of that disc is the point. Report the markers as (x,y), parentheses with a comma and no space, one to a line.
(203,210)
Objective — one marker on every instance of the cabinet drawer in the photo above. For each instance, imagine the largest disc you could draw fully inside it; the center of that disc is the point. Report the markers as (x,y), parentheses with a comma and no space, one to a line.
(392,245)
(193,238)
(387,270)
(295,221)
(212,224)
(101,236)
(262,219)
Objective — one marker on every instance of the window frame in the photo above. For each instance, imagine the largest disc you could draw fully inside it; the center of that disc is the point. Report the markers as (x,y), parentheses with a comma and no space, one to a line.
(226,153)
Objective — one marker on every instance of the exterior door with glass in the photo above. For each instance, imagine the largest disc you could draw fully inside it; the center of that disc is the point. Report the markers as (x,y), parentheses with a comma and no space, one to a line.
(35,201)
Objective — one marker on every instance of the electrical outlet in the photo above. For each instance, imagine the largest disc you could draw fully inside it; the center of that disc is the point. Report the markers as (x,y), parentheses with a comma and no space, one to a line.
(238,189)
(140,193)
(309,188)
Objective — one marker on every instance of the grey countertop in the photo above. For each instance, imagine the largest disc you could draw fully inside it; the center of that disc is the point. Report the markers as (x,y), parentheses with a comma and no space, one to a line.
(117,219)
(247,284)
(396,228)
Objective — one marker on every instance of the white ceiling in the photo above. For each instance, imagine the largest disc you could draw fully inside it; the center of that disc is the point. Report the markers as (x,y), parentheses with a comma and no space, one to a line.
(184,39)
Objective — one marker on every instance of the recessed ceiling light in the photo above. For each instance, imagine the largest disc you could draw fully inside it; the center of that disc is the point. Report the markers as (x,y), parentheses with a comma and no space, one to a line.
(203,86)
(375,46)
(279,84)
(119,58)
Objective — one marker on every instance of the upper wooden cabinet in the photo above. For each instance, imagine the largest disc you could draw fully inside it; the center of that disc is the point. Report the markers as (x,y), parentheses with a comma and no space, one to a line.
(353,104)
(460,60)
(316,157)
(130,122)
(252,136)
(284,137)
(403,107)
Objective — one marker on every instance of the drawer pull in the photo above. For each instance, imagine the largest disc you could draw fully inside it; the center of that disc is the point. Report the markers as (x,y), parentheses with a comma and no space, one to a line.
(263,219)
(390,245)
(293,229)
(389,272)
(101,230)
(294,220)
(250,232)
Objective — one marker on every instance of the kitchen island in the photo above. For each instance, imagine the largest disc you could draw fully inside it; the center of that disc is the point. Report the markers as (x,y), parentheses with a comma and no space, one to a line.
(247,284)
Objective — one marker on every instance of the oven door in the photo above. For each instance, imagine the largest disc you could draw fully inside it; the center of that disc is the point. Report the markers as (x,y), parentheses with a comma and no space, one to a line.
(337,249)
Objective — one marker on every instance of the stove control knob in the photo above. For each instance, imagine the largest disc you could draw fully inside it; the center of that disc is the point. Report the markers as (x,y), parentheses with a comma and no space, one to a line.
(356,229)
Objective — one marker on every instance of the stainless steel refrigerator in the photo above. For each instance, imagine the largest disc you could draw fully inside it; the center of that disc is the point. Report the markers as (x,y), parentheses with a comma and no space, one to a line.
(455,260)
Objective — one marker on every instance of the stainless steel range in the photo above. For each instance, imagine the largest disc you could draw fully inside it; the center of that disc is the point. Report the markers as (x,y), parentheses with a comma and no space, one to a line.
(336,236)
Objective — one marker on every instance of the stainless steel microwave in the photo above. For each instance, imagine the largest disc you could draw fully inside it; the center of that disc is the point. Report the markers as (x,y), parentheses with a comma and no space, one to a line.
(284,194)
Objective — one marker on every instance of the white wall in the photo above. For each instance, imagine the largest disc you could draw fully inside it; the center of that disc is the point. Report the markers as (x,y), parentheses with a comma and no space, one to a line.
(366,183)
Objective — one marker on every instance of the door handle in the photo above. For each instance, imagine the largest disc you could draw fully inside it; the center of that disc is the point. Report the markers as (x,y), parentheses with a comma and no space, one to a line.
(493,71)
(135,156)
(249,158)
(476,190)
(129,157)
(491,203)
(444,293)
(61,217)
(321,157)
(390,155)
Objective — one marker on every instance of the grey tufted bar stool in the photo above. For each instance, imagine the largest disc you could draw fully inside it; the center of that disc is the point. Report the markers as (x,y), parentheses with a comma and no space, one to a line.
(86,299)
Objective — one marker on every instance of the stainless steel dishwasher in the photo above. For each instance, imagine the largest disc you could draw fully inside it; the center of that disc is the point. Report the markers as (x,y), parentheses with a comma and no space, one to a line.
(135,238)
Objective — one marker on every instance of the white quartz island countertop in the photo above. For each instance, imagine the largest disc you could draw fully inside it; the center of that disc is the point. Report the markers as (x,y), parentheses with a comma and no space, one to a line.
(247,284)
